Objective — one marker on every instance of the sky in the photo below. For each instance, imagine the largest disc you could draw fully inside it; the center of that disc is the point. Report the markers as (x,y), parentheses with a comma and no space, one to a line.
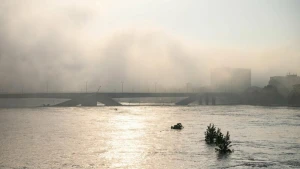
(67,44)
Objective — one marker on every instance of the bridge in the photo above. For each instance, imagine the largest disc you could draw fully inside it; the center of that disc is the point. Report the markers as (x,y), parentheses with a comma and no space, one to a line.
(91,99)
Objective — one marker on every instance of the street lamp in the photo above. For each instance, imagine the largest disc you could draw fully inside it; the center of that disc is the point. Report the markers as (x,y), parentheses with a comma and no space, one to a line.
(99,89)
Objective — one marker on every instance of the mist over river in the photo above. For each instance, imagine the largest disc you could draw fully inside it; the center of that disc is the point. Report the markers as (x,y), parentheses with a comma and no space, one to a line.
(140,137)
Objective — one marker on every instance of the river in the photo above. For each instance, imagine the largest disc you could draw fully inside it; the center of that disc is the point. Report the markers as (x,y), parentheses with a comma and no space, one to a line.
(140,137)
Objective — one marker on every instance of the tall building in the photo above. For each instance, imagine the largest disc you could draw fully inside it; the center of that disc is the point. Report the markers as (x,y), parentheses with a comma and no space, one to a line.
(284,84)
(231,80)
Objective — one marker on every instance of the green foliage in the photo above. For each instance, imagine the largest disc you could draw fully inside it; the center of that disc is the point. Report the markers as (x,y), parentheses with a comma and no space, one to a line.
(210,134)
(223,145)
(177,126)
(216,137)
(219,137)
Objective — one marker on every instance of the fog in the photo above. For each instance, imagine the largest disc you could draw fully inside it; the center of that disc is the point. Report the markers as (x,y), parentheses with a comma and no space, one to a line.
(68,44)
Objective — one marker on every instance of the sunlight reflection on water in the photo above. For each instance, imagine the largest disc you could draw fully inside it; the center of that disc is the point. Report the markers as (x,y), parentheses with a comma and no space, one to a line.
(125,143)
(140,137)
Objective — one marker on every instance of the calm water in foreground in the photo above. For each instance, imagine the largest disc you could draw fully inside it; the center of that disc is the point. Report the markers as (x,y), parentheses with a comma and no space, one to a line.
(140,137)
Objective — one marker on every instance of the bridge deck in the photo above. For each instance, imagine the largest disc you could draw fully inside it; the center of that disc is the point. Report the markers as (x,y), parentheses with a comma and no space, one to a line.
(111,95)
(91,99)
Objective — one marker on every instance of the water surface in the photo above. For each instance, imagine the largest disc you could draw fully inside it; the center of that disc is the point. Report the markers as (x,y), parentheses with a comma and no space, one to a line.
(140,137)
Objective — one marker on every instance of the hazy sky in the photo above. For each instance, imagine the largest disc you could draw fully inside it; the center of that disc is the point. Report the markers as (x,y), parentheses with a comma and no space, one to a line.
(170,42)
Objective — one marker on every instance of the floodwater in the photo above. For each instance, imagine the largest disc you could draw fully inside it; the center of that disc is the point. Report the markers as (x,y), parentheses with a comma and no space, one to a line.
(140,137)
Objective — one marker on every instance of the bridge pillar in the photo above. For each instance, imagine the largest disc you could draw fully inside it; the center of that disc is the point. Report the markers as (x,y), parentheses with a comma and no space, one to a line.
(69,103)
(200,100)
(89,100)
(213,100)
(107,101)
(186,101)
(206,100)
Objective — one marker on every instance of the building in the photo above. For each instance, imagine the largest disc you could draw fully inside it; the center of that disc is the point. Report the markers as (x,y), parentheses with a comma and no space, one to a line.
(231,80)
(284,84)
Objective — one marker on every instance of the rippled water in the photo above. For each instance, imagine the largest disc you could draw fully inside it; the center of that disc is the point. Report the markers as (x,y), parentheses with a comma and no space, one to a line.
(140,137)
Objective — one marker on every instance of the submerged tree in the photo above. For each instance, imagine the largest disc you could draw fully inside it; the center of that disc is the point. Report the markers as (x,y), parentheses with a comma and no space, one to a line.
(219,137)
(210,134)
(223,144)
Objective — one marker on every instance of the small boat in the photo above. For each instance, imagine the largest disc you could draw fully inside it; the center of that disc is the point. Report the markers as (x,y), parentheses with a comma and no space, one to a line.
(178,126)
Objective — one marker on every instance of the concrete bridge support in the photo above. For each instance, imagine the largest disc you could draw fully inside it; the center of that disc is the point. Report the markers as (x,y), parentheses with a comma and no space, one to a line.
(107,101)
(186,101)
(69,103)
(200,100)
(89,100)
(206,100)
(213,100)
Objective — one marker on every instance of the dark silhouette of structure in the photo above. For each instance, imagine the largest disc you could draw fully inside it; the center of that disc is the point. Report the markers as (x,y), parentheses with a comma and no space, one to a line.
(294,96)
(91,99)
(266,96)
(284,84)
